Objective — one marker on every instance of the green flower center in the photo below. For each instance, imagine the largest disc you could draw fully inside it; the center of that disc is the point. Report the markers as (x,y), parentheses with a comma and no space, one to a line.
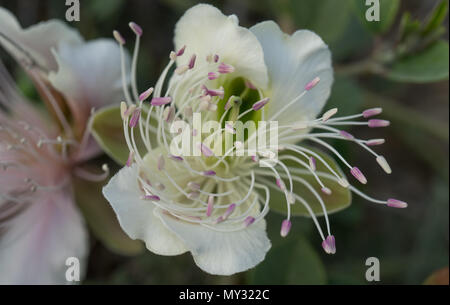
(236,87)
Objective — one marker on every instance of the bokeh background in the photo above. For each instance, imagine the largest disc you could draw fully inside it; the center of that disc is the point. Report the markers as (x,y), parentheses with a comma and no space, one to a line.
(397,64)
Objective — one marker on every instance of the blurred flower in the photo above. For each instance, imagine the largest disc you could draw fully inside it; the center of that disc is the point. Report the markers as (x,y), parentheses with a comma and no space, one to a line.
(41,150)
(211,205)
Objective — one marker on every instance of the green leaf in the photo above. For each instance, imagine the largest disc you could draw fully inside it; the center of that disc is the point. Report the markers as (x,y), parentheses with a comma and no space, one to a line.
(408,26)
(321,17)
(436,18)
(428,65)
(388,12)
(102,220)
(338,200)
(293,261)
(107,129)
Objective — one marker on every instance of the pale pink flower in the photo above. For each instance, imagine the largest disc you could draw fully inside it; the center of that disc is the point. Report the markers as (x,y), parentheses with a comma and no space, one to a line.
(40,152)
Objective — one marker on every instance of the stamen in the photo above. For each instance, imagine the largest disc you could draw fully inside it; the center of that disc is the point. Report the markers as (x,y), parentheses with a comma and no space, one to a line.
(374,123)
(327,115)
(249,220)
(214,92)
(169,113)
(384,164)
(358,175)
(151,197)
(374,142)
(312,84)
(229,128)
(285,227)
(181,51)
(394,203)
(192,62)
(371,112)
(135,117)
(161,162)
(209,208)
(176,158)
(193,186)
(136,28)
(229,210)
(181,69)
(281,184)
(308,208)
(123,110)
(129,111)
(346,135)
(146,94)
(224,68)
(260,104)
(159,101)
(326,191)
(206,151)
(212,75)
(308,87)
(390,202)
(312,163)
(209,173)
(329,245)
(119,37)
(130,158)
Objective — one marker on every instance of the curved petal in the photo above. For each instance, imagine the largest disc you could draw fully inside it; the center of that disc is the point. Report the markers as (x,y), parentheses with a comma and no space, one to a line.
(36,242)
(37,40)
(136,216)
(222,253)
(292,62)
(205,30)
(18,108)
(88,76)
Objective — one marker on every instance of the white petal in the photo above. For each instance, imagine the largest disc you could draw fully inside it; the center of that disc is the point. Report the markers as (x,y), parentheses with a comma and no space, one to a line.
(136,216)
(88,75)
(222,253)
(292,62)
(37,40)
(205,30)
(38,240)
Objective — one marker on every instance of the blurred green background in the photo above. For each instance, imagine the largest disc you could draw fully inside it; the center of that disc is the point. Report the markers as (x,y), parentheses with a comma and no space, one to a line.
(399,63)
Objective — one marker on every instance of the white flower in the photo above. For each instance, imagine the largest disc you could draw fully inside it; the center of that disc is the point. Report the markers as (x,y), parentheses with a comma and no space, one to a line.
(40,224)
(214,206)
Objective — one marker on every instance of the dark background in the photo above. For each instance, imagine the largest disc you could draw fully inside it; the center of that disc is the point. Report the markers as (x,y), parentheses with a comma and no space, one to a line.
(411,244)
